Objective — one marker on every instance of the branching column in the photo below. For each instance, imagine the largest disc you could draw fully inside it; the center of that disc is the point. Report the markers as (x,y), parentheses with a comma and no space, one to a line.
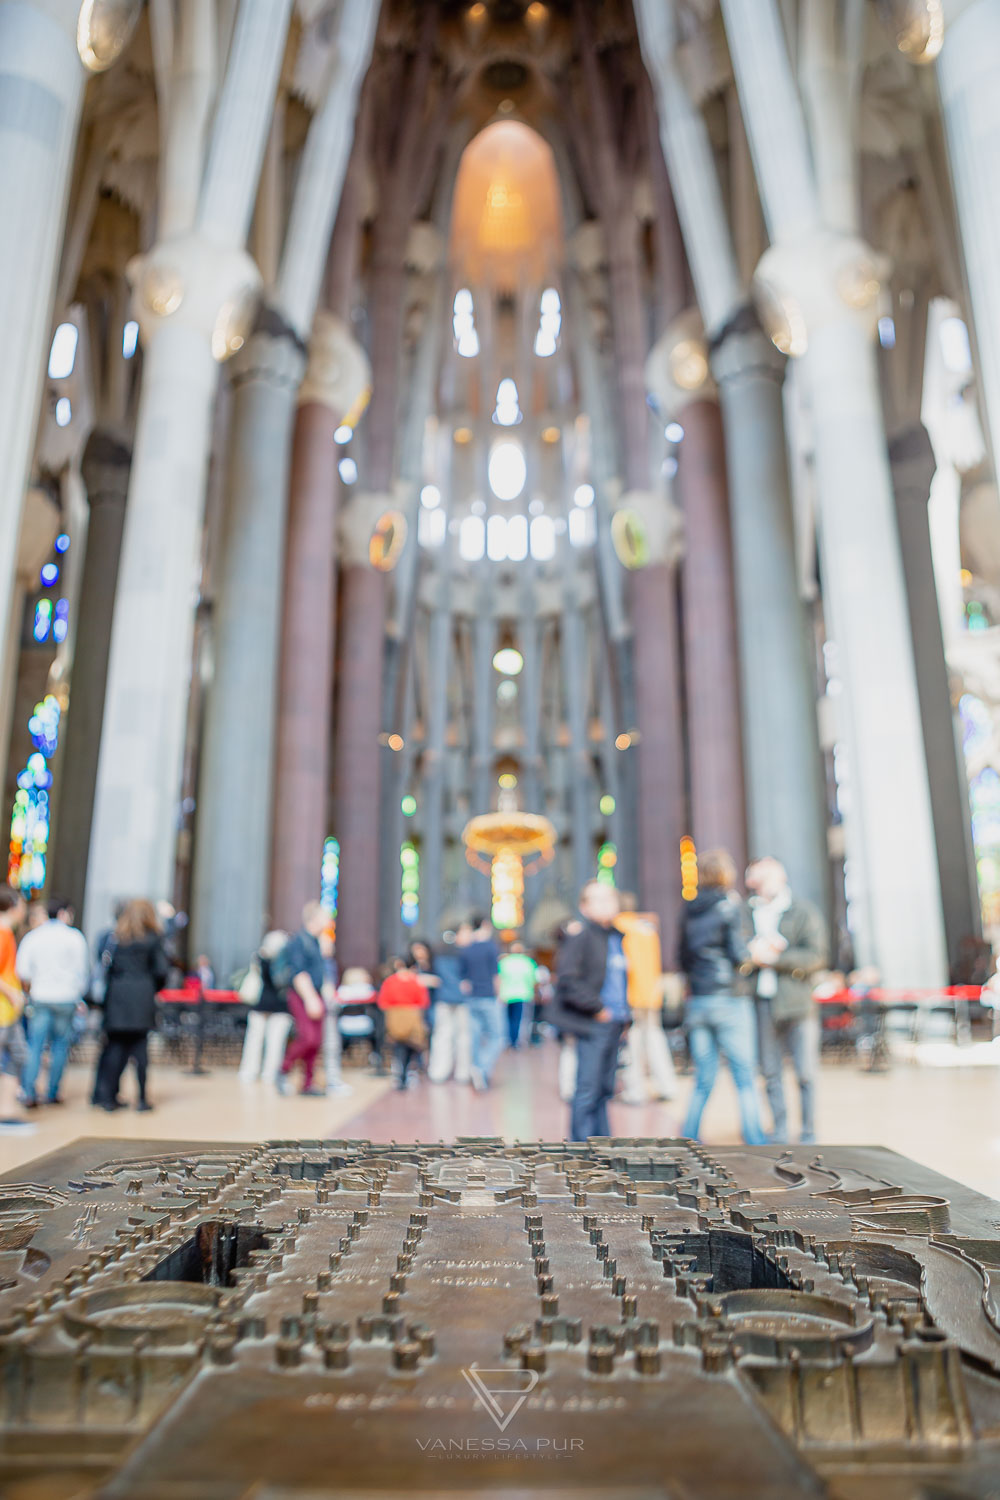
(189,293)
(403,145)
(826,285)
(784,792)
(653,600)
(232,865)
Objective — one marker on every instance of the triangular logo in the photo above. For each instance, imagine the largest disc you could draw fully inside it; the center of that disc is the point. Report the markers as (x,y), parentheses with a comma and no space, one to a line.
(496,1393)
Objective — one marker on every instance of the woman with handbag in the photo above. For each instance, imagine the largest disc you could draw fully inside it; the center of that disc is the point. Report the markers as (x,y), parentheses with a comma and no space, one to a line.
(136,967)
(719,1020)
(269,1020)
(405,1001)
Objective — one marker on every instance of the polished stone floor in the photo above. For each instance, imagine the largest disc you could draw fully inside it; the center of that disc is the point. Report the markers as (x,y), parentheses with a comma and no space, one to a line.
(946,1115)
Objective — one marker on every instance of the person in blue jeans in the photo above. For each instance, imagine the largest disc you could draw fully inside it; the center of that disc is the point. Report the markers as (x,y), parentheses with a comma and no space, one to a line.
(479,964)
(720,1022)
(591,1003)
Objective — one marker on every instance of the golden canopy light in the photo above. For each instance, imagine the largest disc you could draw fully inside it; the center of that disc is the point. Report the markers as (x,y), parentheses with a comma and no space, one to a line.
(506,846)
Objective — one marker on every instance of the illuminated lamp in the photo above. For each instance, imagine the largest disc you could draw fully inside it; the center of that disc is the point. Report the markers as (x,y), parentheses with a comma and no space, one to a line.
(387,541)
(508,661)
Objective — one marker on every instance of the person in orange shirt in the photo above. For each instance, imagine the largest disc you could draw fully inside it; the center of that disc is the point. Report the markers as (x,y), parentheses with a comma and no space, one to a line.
(646,1046)
(13,1047)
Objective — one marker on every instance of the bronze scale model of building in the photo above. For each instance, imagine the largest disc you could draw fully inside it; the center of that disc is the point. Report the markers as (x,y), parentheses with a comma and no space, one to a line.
(637,1318)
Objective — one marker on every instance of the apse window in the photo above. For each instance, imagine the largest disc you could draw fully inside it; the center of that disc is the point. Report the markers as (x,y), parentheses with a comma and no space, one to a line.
(582,530)
(432,527)
(583,495)
(507,470)
(464,324)
(508,409)
(130,338)
(430,497)
(348,470)
(543,539)
(517,538)
(62,355)
(472,539)
(549,323)
(496,538)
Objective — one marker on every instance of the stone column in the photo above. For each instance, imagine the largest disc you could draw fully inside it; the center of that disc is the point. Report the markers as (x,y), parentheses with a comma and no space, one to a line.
(41,81)
(575,679)
(105,470)
(785,807)
(483,649)
(782,767)
(970,106)
(822,287)
(912,461)
(193,298)
(432,781)
(337,372)
(530,701)
(230,893)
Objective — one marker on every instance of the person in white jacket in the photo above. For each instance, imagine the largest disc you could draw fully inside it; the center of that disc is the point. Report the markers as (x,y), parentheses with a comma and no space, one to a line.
(53,965)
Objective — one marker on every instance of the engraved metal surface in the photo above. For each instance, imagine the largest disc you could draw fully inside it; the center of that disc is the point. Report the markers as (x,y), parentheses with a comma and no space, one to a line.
(642,1318)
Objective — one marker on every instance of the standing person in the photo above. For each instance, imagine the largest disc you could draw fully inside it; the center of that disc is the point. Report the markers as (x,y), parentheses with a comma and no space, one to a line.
(302,961)
(136,967)
(649,1068)
(789,946)
(404,1001)
(518,976)
(13,1050)
(719,1020)
(269,1021)
(591,1003)
(480,956)
(450,1053)
(53,963)
(333,1078)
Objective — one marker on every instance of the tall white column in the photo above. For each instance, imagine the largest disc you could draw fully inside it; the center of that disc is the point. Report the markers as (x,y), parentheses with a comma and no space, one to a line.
(234,816)
(41,86)
(195,295)
(970,104)
(821,288)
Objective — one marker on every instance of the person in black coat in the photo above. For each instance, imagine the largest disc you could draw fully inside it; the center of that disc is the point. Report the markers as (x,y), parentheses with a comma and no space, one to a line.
(591,1003)
(136,968)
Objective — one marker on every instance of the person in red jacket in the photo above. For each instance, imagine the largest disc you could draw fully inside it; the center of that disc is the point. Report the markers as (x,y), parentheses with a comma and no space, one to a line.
(404,999)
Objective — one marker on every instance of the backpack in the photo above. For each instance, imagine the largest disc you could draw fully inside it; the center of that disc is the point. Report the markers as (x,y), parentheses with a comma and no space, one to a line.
(282,966)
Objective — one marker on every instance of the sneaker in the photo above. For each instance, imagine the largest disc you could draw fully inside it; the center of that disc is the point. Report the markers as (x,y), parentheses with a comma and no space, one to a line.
(283,1084)
(17,1127)
(479,1080)
(57,1100)
(143,1107)
(339,1088)
(311,1093)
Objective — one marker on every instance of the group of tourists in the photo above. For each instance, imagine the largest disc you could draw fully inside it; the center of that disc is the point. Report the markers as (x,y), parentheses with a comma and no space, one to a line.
(748,970)
(48,982)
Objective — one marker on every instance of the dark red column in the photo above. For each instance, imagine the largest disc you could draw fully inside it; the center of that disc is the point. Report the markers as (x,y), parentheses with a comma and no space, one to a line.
(302,769)
(356,773)
(715,755)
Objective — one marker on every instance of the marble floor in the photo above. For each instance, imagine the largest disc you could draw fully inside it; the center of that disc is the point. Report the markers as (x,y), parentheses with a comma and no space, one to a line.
(946,1115)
